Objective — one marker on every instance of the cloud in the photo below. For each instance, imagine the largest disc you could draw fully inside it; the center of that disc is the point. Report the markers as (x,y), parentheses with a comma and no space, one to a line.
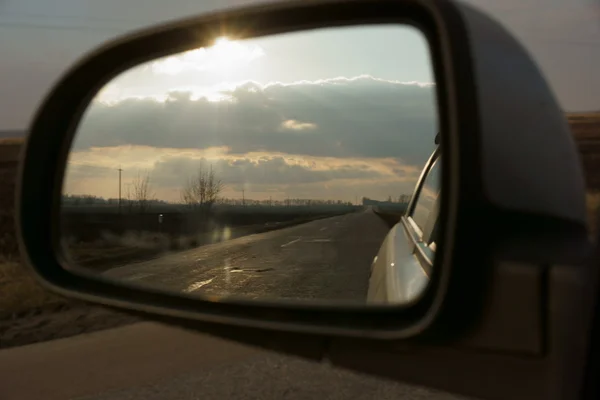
(279,175)
(334,138)
(356,117)
(292,124)
(266,170)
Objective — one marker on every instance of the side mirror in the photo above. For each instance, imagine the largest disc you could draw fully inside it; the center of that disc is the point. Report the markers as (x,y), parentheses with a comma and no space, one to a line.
(508,223)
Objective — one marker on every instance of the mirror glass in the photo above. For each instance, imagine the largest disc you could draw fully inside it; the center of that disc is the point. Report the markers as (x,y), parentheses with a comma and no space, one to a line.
(279,168)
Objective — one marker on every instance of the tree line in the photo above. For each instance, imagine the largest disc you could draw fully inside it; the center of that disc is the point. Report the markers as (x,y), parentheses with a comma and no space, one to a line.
(199,193)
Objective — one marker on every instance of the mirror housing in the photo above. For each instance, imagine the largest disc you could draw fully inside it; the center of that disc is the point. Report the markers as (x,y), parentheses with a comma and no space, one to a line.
(499,200)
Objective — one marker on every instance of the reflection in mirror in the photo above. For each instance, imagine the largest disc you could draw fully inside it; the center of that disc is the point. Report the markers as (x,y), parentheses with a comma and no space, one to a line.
(276,168)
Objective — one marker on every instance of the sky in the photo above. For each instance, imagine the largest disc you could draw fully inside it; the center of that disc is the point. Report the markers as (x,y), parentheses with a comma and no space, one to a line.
(326,114)
(44,37)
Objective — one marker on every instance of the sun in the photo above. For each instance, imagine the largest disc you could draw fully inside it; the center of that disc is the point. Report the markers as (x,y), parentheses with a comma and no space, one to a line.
(224,55)
(207,72)
(230,54)
(222,41)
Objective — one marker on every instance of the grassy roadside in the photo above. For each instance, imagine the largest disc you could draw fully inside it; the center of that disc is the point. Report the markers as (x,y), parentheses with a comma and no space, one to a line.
(31,314)
(20,291)
(100,257)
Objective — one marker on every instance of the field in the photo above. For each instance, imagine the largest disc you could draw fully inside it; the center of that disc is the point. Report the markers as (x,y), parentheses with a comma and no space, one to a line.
(89,223)
(586,128)
(28,313)
(8,172)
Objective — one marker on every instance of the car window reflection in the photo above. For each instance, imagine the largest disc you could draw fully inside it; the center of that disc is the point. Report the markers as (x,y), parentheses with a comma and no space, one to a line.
(426,200)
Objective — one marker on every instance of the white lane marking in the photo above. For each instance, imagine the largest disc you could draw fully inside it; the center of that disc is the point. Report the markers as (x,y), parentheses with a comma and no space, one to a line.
(322,229)
(319,241)
(198,285)
(290,243)
(227,269)
(139,276)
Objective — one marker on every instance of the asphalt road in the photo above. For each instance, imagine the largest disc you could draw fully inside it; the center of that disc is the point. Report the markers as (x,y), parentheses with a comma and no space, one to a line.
(148,361)
(327,259)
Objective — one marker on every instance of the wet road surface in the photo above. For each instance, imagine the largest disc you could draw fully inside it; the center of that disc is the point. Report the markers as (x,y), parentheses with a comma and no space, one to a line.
(327,259)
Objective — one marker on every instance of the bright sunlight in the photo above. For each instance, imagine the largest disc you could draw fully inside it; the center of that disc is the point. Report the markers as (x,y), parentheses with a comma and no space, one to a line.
(224,55)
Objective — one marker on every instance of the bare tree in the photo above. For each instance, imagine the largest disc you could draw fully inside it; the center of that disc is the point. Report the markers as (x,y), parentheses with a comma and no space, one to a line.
(128,201)
(201,191)
(142,191)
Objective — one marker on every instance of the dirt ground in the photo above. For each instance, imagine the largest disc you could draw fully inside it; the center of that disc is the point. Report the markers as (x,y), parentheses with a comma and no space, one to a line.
(29,314)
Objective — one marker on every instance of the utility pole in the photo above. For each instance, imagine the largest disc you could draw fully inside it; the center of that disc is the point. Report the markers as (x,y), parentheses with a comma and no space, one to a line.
(120,170)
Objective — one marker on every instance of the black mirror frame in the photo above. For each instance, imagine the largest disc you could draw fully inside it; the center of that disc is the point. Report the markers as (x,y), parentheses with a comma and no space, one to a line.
(49,140)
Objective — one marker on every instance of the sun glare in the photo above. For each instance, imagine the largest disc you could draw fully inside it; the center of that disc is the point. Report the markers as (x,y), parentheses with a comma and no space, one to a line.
(190,71)
(224,55)
(221,40)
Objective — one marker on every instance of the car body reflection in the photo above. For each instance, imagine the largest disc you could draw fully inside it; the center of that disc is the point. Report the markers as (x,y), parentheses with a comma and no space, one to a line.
(400,271)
